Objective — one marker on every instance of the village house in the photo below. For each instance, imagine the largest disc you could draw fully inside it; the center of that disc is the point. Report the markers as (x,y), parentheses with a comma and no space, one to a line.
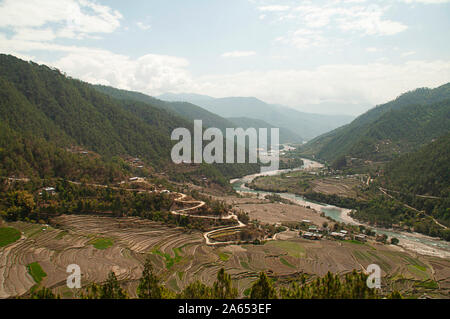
(337,235)
(48,190)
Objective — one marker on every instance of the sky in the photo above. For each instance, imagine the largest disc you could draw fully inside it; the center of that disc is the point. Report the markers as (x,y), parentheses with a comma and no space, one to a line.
(322,56)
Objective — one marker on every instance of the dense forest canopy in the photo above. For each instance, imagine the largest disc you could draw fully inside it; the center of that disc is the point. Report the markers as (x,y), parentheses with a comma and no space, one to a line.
(43,113)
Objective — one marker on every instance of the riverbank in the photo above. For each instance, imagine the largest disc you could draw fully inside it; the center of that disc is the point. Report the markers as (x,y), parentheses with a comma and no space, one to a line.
(416,243)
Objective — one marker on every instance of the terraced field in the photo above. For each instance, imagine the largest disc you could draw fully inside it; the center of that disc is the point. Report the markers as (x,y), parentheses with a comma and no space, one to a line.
(180,257)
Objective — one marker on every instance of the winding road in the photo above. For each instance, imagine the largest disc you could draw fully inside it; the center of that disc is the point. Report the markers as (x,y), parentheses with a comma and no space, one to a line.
(185,211)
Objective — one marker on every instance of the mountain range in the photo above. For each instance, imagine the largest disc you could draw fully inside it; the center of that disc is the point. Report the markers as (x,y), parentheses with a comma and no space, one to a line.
(191,112)
(304,125)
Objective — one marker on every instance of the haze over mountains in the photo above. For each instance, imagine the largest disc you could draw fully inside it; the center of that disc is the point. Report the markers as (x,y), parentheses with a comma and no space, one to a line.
(192,112)
(305,125)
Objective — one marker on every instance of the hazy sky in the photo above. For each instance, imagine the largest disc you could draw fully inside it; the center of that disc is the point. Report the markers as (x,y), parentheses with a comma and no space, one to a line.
(344,54)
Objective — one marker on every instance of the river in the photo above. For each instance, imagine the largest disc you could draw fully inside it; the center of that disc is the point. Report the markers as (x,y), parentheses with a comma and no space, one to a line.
(411,241)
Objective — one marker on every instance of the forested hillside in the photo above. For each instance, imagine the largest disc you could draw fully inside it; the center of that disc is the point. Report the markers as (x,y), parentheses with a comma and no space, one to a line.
(423,172)
(185,110)
(193,112)
(44,111)
(389,130)
(416,189)
(44,115)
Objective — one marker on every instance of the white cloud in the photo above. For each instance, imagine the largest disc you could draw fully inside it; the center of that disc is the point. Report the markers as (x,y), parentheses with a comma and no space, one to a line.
(408,53)
(366,19)
(347,84)
(303,39)
(370,21)
(151,73)
(30,34)
(143,26)
(238,54)
(66,18)
(274,8)
(426,1)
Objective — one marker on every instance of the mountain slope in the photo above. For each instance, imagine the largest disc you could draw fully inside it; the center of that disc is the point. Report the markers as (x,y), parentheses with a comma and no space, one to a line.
(185,110)
(46,116)
(421,180)
(400,126)
(79,114)
(306,125)
(193,112)
(424,172)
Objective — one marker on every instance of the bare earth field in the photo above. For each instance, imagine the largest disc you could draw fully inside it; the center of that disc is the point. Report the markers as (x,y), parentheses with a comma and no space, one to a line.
(342,187)
(180,257)
(296,182)
(274,212)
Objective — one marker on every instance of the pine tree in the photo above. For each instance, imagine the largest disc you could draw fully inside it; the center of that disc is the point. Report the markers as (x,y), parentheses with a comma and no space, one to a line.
(263,289)
(149,287)
(223,288)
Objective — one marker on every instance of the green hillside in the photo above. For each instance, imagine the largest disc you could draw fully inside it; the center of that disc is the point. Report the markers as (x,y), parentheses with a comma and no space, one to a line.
(192,112)
(185,110)
(416,191)
(41,106)
(44,114)
(423,172)
(389,130)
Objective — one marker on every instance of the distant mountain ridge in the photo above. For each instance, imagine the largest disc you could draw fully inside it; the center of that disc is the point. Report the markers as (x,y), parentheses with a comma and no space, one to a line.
(306,125)
(285,135)
(193,112)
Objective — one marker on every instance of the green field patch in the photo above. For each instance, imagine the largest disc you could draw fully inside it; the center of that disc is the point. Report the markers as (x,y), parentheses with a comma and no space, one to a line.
(416,263)
(8,235)
(356,242)
(173,284)
(380,261)
(36,271)
(224,256)
(428,284)
(418,272)
(247,292)
(170,261)
(102,243)
(361,256)
(61,234)
(421,268)
(293,249)
(245,264)
(286,263)
(180,274)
